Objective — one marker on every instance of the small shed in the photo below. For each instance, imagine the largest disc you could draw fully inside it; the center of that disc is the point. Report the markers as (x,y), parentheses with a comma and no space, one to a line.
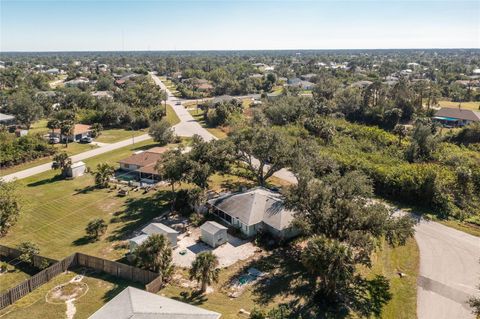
(76,169)
(161,229)
(213,234)
(137,241)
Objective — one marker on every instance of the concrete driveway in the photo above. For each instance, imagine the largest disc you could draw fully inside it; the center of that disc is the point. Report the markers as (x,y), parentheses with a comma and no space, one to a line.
(228,254)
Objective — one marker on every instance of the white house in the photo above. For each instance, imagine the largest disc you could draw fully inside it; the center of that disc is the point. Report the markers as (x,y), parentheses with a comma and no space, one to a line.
(76,169)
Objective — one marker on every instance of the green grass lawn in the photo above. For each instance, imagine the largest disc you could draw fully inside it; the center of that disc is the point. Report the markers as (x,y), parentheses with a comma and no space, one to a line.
(461,226)
(14,275)
(56,211)
(388,262)
(464,105)
(216,131)
(117,135)
(172,117)
(101,289)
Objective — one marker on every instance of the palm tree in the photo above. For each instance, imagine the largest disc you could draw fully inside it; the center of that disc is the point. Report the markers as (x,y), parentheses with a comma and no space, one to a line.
(102,174)
(66,129)
(63,162)
(204,269)
(155,254)
(53,124)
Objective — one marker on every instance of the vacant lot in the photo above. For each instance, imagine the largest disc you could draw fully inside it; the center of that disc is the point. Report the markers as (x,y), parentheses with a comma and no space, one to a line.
(101,289)
(116,135)
(216,131)
(464,105)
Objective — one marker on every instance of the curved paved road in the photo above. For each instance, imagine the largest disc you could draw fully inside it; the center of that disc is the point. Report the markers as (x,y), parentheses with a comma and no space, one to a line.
(449,259)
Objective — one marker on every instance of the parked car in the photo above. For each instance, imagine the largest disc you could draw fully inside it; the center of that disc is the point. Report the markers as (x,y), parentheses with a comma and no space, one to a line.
(178,103)
(86,139)
(54,140)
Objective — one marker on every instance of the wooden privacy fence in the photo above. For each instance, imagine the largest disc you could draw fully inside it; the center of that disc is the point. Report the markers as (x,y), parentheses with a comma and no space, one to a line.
(150,279)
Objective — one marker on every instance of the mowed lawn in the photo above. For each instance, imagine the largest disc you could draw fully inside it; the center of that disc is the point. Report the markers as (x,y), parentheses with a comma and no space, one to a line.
(56,211)
(464,105)
(216,131)
(101,289)
(117,135)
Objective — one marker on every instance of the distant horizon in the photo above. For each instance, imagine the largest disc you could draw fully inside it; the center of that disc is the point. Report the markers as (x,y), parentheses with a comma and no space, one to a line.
(242,50)
(236,25)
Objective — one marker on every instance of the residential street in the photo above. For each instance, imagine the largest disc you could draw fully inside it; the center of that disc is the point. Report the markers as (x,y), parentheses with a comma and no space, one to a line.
(449,259)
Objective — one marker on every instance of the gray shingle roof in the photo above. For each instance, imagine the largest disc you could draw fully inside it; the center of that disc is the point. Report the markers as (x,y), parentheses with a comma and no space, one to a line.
(212,227)
(254,206)
(133,303)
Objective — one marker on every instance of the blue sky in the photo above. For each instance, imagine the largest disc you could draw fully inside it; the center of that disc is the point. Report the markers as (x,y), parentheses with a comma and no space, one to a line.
(209,25)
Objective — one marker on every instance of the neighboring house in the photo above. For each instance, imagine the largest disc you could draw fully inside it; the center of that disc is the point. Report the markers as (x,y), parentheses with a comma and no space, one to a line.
(154,228)
(213,234)
(53,71)
(143,164)
(77,82)
(135,303)
(304,85)
(456,116)
(361,84)
(6,119)
(102,94)
(294,81)
(79,131)
(307,77)
(203,85)
(254,210)
(222,99)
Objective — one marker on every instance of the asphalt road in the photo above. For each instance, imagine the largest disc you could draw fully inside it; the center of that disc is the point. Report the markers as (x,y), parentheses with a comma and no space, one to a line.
(449,259)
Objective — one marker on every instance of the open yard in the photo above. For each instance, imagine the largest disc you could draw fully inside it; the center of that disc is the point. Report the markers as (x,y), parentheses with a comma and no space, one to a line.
(14,275)
(284,283)
(116,135)
(464,105)
(216,131)
(90,292)
(56,211)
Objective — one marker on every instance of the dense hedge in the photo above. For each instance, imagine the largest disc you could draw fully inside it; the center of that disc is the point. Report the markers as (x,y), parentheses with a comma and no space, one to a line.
(15,151)
(449,185)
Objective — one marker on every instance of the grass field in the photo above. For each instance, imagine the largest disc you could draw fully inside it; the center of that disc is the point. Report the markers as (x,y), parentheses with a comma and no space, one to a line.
(172,117)
(56,211)
(14,275)
(117,135)
(464,105)
(101,289)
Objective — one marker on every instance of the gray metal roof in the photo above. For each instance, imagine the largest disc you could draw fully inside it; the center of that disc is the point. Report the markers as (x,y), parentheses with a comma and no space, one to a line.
(133,303)
(139,239)
(212,227)
(158,228)
(254,206)
(457,113)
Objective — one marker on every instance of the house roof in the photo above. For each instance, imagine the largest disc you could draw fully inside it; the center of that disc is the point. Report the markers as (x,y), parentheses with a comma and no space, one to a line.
(133,303)
(158,228)
(142,159)
(6,117)
(212,227)
(254,206)
(77,164)
(77,129)
(461,114)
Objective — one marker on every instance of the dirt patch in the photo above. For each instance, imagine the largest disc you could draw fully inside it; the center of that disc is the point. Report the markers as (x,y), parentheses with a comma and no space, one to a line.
(65,292)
